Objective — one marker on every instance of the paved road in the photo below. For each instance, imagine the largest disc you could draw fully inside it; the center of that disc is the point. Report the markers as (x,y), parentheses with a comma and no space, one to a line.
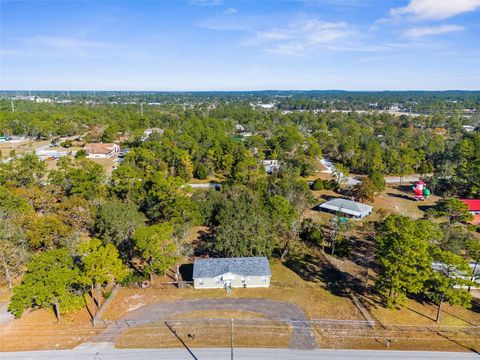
(106,352)
(302,335)
(350,181)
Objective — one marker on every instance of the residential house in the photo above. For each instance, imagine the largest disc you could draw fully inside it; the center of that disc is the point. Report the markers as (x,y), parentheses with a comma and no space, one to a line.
(347,207)
(101,150)
(228,273)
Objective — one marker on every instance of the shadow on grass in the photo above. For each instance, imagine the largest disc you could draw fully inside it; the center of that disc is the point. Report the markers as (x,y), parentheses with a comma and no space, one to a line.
(203,245)
(401,196)
(186,272)
(315,269)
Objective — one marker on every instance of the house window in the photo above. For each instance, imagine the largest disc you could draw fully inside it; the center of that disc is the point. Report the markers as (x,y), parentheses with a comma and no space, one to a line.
(264,279)
(243,279)
(200,281)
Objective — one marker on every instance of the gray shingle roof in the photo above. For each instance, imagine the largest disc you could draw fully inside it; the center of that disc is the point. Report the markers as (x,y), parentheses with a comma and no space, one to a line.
(247,266)
(346,206)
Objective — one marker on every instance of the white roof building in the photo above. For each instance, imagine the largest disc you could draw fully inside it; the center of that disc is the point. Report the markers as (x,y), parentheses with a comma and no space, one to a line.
(348,207)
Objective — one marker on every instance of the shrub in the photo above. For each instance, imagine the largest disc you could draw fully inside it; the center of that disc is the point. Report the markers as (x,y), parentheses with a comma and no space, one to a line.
(200,172)
(318,185)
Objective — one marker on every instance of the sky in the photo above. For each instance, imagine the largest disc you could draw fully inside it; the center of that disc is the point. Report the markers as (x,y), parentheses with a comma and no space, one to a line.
(240,45)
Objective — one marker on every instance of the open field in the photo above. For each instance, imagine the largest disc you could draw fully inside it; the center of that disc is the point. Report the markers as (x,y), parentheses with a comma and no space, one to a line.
(20,147)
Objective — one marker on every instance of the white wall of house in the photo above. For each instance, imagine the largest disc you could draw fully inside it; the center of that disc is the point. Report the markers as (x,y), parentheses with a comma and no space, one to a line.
(236,281)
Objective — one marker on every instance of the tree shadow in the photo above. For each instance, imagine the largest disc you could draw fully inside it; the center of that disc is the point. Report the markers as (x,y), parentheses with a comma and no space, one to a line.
(400,196)
(313,269)
(186,272)
(203,244)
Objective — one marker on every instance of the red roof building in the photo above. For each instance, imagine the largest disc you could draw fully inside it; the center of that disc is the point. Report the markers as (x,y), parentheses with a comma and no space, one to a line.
(474,208)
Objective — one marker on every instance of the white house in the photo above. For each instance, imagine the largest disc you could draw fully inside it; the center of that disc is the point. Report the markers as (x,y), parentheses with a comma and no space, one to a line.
(101,150)
(231,272)
(347,207)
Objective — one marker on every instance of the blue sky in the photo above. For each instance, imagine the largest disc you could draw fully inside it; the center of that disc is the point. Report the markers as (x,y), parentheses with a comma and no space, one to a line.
(240,45)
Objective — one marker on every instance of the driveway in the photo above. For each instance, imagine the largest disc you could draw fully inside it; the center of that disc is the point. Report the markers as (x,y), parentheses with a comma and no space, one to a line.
(302,333)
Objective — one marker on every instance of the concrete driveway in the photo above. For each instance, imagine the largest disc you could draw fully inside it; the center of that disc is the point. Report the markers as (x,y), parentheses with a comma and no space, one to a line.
(302,333)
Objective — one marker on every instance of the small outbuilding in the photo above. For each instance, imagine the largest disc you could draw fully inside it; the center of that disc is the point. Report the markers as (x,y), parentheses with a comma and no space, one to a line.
(231,273)
(347,207)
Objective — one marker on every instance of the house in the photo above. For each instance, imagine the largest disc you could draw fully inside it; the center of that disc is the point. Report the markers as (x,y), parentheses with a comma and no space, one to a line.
(474,208)
(271,166)
(468,128)
(101,150)
(231,272)
(347,207)
(44,154)
(472,275)
(150,131)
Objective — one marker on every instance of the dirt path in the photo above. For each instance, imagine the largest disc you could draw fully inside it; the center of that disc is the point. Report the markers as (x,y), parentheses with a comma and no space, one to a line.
(302,333)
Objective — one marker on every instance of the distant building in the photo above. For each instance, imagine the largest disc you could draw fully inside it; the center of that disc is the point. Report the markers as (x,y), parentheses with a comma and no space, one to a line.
(231,273)
(347,207)
(45,154)
(474,208)
(472,275)
(43,100)
(468,128)
(101,150)
(150,131)
(271,166)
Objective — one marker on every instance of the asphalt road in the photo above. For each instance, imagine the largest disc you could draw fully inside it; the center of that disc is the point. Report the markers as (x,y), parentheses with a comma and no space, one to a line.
(107,352)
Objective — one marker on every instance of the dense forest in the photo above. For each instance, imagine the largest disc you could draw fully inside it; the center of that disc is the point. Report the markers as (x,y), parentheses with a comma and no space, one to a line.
(73,229)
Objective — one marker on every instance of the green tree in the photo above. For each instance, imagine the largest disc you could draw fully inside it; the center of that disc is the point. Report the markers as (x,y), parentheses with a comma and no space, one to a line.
(156,246)
(364,191)
(403,256)
(13,251)
(284,221)
(243,226)
(377,179)
(51,280)
(100,266)
(47,232)
(454,209)
(116,221)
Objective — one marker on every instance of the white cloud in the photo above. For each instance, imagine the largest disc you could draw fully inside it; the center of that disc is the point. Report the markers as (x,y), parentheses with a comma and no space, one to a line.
(67,43)
(301,37)
(435,9)
(206,2)
(230,11)
(432,30)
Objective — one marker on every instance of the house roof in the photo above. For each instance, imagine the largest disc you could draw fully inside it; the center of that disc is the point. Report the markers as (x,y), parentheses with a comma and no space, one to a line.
(247,266)
(347,207)
(473,205)
(100,148)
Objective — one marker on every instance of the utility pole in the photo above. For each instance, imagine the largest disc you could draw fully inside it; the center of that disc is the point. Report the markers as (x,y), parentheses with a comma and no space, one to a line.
(13,107)
(231,340)
(141,108)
